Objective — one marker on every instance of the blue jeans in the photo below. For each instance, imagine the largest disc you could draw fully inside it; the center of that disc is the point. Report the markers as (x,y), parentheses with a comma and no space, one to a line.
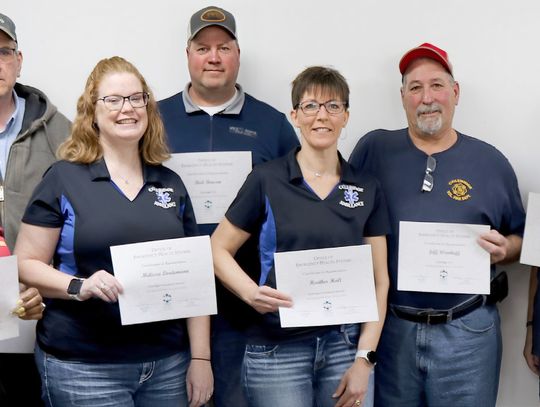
(228,347)
(160,383)
(444,365)
(301,374)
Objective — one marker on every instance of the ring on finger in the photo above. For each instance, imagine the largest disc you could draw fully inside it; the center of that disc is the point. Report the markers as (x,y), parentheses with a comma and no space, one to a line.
(357,403)
(104,286)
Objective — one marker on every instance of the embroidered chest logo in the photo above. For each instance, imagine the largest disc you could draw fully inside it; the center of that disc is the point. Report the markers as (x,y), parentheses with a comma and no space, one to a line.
(163,197)
(243,131)
(350,196)
(459,190)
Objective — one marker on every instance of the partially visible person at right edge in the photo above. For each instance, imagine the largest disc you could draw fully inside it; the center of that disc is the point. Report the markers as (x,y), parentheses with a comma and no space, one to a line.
(531,350)
(31,129)
(213,113)
(440,349)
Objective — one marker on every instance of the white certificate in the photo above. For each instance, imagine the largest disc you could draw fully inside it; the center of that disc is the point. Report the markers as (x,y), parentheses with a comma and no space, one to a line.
(442,258)
(165,279)
(9,294)
(530,251)
(212,180)
(328,286)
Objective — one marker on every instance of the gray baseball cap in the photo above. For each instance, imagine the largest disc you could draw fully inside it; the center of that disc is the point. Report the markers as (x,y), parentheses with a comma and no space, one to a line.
(8,26)
(211,16)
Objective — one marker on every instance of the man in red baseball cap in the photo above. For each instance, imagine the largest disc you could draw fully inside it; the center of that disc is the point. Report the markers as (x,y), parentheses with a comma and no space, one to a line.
(440,348)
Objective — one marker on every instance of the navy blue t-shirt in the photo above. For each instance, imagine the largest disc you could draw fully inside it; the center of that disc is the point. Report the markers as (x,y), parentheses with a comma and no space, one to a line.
(277,206)
(473,183)
(93,215)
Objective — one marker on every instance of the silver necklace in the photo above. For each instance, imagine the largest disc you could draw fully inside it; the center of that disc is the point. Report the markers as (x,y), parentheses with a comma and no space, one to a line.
(126,181)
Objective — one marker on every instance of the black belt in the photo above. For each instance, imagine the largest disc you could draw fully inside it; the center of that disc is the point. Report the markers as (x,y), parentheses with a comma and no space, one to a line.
(434,316)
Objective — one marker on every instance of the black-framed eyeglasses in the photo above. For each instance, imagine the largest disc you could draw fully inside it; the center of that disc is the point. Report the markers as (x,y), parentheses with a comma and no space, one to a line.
(116,102)
(311,107)
(427,184)
(7,53)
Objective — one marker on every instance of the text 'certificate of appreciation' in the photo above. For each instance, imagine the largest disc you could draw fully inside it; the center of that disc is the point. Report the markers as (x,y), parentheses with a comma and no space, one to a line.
(9,294)
(530,251)
(165,279)
(328,286)
(442,258)
(212,180)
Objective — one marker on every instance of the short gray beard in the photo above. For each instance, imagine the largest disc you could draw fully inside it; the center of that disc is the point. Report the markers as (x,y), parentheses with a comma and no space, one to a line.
(428,126)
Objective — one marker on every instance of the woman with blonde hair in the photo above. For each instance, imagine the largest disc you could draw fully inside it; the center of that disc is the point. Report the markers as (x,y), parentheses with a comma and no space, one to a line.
(102,194)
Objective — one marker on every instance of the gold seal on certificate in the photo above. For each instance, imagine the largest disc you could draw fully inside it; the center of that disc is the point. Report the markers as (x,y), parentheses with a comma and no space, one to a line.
(442,258)
(212,180)
(165,279)
(328,286)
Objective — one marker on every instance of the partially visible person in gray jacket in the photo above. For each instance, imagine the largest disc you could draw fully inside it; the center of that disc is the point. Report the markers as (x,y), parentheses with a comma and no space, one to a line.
(31,129)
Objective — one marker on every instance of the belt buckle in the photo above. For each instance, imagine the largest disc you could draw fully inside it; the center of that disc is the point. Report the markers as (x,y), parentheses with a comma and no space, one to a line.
(431,314)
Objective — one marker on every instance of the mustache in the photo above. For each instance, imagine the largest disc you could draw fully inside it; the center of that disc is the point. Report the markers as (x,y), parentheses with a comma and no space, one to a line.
(433,108)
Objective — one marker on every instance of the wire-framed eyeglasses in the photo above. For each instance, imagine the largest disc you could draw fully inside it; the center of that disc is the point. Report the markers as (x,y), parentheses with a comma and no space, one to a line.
(427,184)
(116,102)
(312,107)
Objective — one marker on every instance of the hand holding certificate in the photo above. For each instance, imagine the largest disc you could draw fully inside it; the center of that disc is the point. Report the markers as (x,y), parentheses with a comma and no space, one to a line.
(328,286)
(165,279)
(442,258)
(9,294)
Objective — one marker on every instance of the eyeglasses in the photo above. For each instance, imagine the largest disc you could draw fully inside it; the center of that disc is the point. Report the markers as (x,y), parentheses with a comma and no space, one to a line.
(311,107)
(431,164)
(7,53)
(116,102)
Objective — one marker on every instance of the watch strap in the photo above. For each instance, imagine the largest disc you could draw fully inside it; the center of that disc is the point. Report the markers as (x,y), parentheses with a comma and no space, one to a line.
(369,355)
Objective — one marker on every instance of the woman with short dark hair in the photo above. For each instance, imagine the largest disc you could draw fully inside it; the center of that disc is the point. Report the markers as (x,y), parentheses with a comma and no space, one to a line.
(309,199)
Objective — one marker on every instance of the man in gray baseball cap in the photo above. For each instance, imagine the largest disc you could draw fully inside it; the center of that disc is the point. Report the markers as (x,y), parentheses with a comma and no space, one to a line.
(213,114)
(31,129)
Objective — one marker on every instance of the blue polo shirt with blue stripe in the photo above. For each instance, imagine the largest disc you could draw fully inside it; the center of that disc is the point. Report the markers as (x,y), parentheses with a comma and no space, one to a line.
(277,206)
(93,214)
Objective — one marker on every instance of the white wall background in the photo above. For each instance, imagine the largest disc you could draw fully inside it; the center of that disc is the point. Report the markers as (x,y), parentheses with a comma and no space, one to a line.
(493,46)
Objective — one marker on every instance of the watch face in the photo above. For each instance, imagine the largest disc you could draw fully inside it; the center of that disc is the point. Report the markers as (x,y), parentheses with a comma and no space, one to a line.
(74,287)
(372,357)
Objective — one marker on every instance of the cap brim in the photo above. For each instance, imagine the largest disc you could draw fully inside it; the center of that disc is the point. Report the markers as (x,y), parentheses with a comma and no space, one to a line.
(10,35)
(422,52)
(223,26)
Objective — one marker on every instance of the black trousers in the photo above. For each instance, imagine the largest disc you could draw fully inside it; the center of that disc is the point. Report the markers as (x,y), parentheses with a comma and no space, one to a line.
(20,384)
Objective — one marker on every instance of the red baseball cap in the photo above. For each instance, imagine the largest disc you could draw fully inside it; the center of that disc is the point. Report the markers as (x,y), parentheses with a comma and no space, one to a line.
(426,50)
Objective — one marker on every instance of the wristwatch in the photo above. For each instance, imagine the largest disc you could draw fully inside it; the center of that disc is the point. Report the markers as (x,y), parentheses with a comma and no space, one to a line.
(74,288)
(369,355)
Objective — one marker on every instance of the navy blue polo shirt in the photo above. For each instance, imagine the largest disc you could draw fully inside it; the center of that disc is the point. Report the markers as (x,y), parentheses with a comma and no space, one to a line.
(93,215)
(277,206)
(247,124)
(473,183)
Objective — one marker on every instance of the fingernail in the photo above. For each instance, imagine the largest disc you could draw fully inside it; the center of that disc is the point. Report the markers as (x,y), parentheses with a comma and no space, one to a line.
(19,301)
